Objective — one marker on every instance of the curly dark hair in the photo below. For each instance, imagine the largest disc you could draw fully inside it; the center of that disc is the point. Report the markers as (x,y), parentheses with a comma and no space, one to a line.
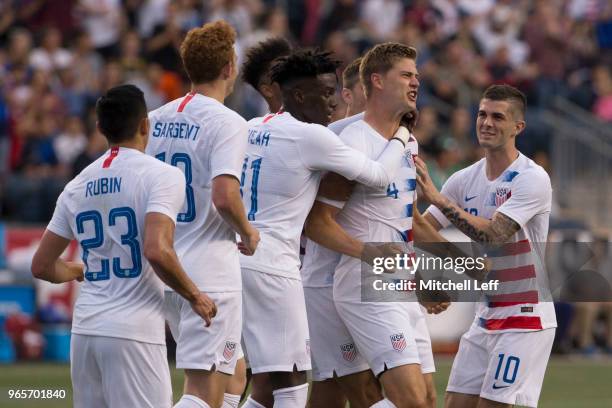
(259,58)
(302,64)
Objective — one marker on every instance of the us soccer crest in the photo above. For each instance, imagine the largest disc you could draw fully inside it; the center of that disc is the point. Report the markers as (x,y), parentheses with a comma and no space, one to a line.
(349,351)
(229,350)
(409,158)
(501,195)
(398,341)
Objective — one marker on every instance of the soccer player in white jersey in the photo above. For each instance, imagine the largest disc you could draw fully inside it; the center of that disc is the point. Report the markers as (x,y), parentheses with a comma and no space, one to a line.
(122,210)
(374,215)
(286,155)
(502,201)
(256,71)
(207,140)
(317,280)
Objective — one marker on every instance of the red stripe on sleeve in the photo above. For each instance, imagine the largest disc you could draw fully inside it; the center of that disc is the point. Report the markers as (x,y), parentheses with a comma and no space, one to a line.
(113,153)
(185,101)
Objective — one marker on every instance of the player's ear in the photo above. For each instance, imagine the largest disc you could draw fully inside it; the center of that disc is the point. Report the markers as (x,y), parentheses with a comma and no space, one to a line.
(144,126)
(298,95)
(376,80)
(227,70)
(519,125)
(347,96)
(266,91)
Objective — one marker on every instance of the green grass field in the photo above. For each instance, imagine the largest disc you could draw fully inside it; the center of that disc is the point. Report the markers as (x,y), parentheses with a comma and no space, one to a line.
(569,383)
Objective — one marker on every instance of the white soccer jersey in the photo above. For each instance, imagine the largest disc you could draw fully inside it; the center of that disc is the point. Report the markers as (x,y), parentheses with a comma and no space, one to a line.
(375,214)
(281,174)
(319,262)
(338,126)
(523,193)
(205,139)
(104,209)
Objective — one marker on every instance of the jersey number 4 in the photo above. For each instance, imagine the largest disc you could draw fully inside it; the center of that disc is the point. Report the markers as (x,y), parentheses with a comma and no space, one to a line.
(183,158)
(129,239)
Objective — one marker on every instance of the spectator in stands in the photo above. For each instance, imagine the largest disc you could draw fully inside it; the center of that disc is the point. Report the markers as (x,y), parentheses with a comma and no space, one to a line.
(602,82)
(50,55)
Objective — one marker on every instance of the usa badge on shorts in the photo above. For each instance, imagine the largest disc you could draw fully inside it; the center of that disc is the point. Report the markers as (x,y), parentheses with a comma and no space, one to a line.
(501,195)
(229,350)
(398,341)
(349,352)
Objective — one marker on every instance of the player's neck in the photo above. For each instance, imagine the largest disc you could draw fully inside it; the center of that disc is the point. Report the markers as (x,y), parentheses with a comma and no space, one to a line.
(134,143)
(351,112)
(215,90)
(498,160)
(382,120)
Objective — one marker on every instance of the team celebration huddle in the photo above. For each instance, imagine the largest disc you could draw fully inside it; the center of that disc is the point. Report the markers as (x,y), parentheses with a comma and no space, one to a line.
(195,217)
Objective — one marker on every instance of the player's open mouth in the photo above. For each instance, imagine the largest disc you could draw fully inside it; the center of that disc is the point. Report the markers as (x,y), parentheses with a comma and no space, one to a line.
(412,95)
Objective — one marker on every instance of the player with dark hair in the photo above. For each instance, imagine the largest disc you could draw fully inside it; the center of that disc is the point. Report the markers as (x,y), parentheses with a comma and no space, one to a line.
(286,155)
(207,140)
(122,210)
(256,69)
(502,201)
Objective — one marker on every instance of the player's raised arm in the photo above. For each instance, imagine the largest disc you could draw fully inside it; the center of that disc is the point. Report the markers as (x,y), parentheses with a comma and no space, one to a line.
(325,152)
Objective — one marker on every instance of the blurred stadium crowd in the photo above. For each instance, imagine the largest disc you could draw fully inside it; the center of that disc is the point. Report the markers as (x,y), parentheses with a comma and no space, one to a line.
(57,57)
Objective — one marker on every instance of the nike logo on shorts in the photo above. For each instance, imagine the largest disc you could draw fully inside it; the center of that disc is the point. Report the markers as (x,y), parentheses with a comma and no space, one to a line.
(497,387)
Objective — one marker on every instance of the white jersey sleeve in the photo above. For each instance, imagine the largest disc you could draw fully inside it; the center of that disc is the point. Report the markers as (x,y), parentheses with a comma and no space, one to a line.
(166,193)
(228,149)
(60,223)
(451,189)
(531,195)
(324,151)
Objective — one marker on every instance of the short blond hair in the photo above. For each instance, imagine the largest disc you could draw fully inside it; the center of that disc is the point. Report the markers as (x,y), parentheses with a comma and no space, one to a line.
(380,59)
(206,50)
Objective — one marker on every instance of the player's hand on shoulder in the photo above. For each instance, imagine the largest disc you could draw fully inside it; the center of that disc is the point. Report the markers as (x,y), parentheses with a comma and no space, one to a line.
(428,190)
(204,307)
(409,120)
(248,243)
